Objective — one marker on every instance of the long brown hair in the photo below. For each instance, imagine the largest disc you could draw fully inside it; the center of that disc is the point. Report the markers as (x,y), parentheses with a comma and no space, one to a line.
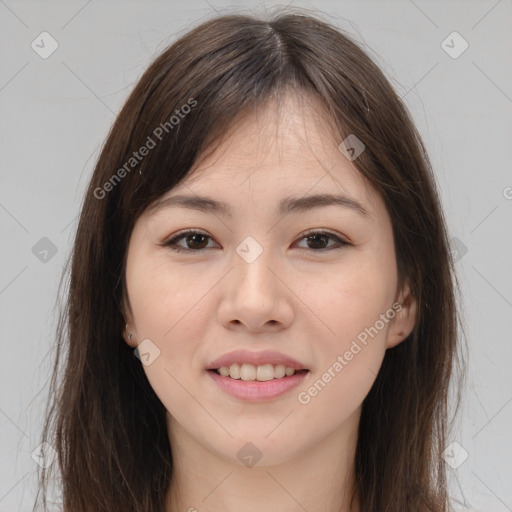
(104,420)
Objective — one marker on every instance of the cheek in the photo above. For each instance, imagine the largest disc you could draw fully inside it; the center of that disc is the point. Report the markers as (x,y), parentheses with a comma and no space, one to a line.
(350,298)
(348,366)
(170,320)
(168,310)
(165,298)
(354,307)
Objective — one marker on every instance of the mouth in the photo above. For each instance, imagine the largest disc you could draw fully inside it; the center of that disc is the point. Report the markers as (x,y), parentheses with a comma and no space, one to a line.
(255,384)
(256,376)
(259,373)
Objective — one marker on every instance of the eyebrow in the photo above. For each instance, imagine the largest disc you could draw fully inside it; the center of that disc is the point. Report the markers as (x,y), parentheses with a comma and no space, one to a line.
(286,205)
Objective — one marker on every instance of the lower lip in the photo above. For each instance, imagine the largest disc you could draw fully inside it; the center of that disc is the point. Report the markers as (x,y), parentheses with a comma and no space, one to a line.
(257,391)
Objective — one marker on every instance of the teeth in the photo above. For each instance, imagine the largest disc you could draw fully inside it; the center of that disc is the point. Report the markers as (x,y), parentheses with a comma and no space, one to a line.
(247,372)
(265,372)
(261,373)
(289,371)
(279,371)
(234,371)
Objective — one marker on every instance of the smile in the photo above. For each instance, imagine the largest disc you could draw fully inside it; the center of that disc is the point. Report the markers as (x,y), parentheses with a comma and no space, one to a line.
(262,373)
(255,390)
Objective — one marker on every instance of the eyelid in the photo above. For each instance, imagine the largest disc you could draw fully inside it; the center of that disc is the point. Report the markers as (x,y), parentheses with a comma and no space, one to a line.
(341,240)
(184,232)
(323,231)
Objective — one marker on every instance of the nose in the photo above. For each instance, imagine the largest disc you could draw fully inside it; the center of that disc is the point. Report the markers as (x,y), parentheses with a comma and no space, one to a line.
(256,296)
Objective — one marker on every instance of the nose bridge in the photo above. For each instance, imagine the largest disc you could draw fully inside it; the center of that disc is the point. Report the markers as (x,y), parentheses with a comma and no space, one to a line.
(255,280)
(253,296)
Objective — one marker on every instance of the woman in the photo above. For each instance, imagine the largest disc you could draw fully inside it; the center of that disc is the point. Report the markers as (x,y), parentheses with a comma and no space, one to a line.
(261,308)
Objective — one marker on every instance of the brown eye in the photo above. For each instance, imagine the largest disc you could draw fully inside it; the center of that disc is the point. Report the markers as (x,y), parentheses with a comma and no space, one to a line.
(195,241)
(318,241)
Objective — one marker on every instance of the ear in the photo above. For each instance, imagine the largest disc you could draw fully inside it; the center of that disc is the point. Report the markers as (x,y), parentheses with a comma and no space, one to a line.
(129,336)
(405,319)
(128,328)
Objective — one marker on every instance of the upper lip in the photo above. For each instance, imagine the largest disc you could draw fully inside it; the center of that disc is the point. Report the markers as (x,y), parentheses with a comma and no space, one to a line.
(255,358)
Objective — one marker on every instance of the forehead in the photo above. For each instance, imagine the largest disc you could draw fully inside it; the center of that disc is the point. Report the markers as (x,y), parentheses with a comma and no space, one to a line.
(292,127)
(286,142)
(286,149)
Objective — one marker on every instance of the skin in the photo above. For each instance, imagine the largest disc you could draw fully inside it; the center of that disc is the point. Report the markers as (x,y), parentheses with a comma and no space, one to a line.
(294,298)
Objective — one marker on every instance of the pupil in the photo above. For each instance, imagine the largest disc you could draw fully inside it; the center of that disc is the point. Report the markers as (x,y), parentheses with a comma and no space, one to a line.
(315,238)
(195,236)
(310,237)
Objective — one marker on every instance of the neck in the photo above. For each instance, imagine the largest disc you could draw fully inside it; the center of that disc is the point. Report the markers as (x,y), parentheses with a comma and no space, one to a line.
(318,478)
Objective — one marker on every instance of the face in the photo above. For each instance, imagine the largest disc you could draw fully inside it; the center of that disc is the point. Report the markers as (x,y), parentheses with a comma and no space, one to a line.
(310,286)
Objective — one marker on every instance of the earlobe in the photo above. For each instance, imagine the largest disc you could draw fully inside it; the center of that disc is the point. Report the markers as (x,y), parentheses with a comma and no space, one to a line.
(128,336)
(128,330)
(405,319)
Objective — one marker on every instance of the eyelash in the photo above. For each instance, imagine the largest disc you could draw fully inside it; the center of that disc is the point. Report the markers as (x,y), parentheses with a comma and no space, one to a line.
(172,243)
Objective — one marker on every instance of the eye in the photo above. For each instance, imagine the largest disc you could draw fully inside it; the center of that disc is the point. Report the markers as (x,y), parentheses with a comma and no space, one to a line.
(196,241)
(319,237)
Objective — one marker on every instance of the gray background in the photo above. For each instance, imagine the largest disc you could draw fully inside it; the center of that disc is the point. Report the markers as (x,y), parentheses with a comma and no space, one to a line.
(55,113)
